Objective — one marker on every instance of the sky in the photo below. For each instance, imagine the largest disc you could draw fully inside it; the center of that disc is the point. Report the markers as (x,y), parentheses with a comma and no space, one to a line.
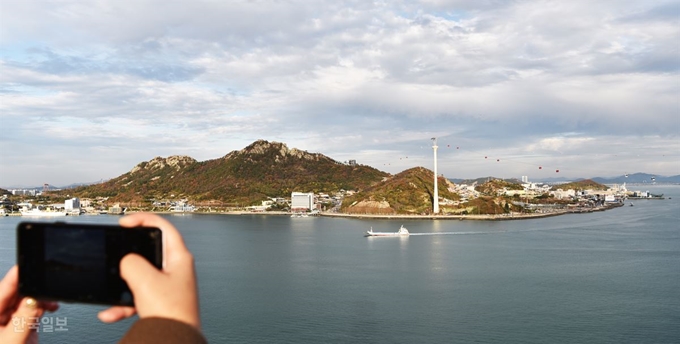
(546,89)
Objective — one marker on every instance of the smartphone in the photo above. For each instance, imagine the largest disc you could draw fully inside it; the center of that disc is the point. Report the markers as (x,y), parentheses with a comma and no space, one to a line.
(77,262)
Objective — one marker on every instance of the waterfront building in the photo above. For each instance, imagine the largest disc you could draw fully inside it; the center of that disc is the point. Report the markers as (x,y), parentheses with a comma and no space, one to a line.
(72,204)
(301,201)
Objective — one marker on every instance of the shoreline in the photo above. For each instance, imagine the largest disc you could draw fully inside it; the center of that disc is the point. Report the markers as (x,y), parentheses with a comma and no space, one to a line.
(481,217)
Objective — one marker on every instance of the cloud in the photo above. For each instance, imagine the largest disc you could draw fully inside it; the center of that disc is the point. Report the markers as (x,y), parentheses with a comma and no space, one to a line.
(371,81)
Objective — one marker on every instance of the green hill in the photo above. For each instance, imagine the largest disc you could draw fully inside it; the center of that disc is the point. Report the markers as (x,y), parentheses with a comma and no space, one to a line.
(586,184)
(261,170)
(409,192)
(491,187)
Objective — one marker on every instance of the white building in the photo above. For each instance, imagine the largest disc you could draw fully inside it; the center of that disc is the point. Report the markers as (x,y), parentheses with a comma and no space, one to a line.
(24,192)
(561,194)
(72,204)
(301,200)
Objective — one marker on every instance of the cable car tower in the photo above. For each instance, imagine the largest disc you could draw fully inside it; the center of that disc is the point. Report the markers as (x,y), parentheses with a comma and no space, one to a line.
(435,195)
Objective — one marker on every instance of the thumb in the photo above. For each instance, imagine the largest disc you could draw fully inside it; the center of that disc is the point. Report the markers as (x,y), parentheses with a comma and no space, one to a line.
(138,273)
(24,321)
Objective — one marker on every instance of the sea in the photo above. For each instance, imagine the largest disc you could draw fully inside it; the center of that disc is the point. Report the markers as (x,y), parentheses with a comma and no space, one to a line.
(602,277)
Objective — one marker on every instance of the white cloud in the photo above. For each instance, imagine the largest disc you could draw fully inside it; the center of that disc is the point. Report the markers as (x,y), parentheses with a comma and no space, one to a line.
(353,80)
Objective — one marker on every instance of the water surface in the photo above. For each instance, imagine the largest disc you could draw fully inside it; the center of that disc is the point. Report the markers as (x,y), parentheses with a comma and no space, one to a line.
(605,277)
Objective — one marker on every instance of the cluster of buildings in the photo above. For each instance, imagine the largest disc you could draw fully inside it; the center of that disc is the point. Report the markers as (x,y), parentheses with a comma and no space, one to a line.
(71,206)
(181,206)
(25,192)
(299,202)
(302,202)
(530,190)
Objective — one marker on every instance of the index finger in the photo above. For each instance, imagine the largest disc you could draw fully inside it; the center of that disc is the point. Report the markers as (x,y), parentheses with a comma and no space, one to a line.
(9,290)
(172,239)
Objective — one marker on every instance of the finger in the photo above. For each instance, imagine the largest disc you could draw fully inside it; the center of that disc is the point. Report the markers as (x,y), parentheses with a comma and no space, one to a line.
(172,236)
(8,294)
(8,288)
(49,306)
(116,313)
(138,273)
(175,248)
(27,313)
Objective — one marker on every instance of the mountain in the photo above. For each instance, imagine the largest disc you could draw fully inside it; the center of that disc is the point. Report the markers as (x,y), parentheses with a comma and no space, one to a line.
(261,170)
(75,185)
(409,192)
(639,178)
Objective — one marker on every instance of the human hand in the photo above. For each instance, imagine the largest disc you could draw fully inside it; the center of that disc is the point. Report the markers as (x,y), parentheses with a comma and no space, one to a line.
(171,293)
(13,306)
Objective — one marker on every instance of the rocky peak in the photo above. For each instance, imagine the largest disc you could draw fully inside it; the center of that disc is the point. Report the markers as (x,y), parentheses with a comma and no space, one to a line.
(157,163)
(280,150)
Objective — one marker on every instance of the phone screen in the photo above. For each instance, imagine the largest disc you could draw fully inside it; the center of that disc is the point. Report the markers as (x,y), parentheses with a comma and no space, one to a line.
(80,262)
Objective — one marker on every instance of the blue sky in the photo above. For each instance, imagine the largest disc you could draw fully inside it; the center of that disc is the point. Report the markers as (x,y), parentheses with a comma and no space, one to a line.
(510,88)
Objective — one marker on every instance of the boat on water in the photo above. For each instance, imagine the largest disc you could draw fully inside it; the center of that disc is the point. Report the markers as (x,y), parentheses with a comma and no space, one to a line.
(645,195)
(401,232)
(42,213)
(299,215)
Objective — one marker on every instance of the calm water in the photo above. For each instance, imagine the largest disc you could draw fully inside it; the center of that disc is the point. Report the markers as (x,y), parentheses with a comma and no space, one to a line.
(607,277)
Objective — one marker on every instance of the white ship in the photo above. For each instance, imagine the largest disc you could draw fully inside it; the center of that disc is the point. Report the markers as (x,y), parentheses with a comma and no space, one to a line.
(401,232)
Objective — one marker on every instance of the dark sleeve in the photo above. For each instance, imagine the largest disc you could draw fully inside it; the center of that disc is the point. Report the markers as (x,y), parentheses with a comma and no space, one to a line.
(161,330)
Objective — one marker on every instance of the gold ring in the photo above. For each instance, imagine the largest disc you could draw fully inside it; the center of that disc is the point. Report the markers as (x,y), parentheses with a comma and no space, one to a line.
(31,302)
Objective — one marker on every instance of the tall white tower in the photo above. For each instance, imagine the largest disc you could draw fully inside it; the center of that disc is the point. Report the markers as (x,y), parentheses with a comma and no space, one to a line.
(435,196)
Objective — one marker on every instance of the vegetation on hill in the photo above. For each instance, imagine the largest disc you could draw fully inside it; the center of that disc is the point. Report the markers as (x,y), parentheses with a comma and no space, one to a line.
(409,192)
(483,180)
(586,184)
(261,170)
(492,187)
(487,205)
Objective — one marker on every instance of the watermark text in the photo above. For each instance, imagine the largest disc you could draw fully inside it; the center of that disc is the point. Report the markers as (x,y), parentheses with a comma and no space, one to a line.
(44,324)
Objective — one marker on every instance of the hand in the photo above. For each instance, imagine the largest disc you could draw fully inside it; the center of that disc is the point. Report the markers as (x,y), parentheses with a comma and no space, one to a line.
(171,293)
(13,306)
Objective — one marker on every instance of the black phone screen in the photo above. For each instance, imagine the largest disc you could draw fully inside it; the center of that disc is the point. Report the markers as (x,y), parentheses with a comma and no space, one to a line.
(80,262)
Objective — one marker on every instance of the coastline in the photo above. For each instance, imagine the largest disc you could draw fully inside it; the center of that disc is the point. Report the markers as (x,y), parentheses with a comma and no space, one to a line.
(482,217)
